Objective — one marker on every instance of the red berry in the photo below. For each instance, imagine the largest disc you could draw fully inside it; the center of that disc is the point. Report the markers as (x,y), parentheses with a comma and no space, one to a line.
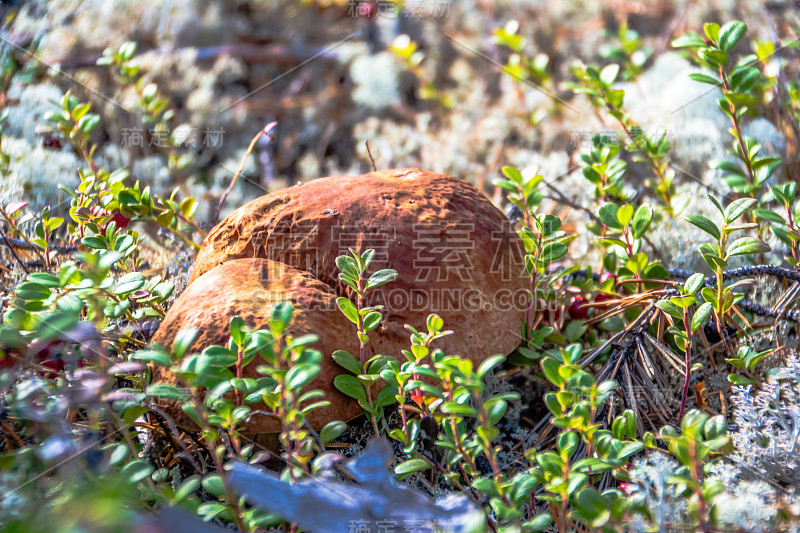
(55,365)
(576,310)
(552,314)
(43,352)
(121,220)
(602,297)
(7,362)
(50,140)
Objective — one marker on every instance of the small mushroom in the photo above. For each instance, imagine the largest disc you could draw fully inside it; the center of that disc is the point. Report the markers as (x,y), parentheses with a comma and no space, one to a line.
(456,255)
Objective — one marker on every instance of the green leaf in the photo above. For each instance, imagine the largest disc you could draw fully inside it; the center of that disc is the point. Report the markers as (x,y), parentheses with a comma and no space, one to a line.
(670,308)
(641,221)
(540,522)
(489,364)
(409,467)
(458,409)
(609,73)
(347,361)
(44,278)
(211,510)
(237,330)
(507,185)
(625,215)
(213,484)
(331,431)
(716,204)
(186,489)
(434,323)
(769,215)
(688,41)
(709,295)
(615,98)
(188,207)
(704,224)
(728,166)
(495,409)
(218,391)
(550,224)
(550,367)
(744,78)
(747,245)
(88,123)
(348,309)
(737,208)
(350,386)
(552,403)
(386,396)
(711,29)
(299,375)
(367,257)
(53,223)
(683,301)
(56,326)
(693,283)
(347,265)
(740,380)
(608,215)
(183,340)
(133,281)
(381,277)
(349,280)
(70,303)
(153,356)
(701,315)
(32,291)
(59,117)
(730,34)
(282,316)
(703,78)
(513,174)
(372,320)
(137,470)
(167,392)
(715,427)
(715,57)
(553,251)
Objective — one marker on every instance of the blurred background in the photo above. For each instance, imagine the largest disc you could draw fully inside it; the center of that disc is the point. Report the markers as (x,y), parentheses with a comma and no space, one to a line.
(457,86)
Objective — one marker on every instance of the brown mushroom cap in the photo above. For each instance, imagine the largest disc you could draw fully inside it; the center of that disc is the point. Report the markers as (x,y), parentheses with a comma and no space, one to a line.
(456,254)
(251,288)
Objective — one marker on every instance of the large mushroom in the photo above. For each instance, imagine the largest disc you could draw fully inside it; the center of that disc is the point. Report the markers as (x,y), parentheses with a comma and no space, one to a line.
(456,255)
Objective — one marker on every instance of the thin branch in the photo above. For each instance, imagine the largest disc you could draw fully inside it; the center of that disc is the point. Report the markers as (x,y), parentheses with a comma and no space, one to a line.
(372,159)
(250,148)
